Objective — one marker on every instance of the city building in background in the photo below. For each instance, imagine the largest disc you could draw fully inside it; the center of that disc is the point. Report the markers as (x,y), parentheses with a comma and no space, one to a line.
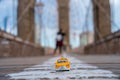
(86,38)
(37,35)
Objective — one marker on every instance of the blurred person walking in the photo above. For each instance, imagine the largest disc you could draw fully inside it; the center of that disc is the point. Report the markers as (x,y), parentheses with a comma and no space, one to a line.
(59,42)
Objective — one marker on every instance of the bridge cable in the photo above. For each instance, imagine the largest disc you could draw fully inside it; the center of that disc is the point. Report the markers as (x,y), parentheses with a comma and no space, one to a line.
(108,18)
(104,11)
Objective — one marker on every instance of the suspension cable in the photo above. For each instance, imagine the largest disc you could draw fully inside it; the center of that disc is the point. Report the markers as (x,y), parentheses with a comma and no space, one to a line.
(30,34)
(104,11)
(22,14)
(85,26)
(96,29)
(108,18)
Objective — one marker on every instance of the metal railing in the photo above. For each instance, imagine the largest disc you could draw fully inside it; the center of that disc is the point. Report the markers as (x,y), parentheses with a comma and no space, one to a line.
(113,45)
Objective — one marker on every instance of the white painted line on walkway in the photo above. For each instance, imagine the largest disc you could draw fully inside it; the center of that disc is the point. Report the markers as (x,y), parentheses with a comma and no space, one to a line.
(46,70)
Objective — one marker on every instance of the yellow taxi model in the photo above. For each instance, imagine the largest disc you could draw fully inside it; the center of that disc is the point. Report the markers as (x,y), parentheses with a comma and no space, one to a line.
(62,64)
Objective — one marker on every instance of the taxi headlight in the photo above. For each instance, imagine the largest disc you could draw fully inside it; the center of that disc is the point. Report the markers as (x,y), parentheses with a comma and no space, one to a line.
(67,65)
(57,66)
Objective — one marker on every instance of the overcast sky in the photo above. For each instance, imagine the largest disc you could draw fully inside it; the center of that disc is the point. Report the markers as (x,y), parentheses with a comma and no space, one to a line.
(79,10)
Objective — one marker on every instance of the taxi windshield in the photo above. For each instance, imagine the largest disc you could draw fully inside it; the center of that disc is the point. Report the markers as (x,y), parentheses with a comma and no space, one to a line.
(62,61)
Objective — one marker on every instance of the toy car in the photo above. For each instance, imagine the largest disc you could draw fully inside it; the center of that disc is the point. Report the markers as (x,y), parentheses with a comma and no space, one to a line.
(62,64)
